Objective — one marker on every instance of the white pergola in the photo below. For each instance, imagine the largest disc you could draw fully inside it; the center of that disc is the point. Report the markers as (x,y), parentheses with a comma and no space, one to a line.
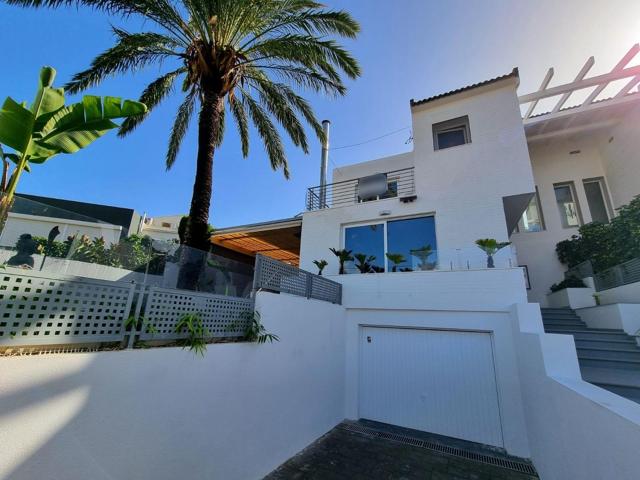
(589,113)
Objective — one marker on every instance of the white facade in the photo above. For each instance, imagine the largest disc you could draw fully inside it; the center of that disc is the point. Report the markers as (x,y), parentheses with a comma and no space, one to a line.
(462,187)
(161,228)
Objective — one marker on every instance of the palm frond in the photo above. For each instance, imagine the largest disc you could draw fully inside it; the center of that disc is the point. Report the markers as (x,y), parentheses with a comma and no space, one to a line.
(180,127)
(268,133)
(240,116)
(151,96)
(131,53)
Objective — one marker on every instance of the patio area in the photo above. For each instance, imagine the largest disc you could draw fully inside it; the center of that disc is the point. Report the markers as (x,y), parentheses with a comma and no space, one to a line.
(370,450)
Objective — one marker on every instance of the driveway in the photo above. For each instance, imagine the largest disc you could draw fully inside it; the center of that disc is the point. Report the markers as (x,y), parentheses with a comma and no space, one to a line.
(372,451)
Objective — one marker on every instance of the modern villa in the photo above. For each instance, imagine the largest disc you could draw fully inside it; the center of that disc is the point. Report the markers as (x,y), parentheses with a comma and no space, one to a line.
(421,330)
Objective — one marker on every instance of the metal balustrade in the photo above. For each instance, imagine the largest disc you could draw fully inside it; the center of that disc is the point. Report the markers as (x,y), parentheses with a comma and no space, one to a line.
(400,183)
(277,276)
(623,274)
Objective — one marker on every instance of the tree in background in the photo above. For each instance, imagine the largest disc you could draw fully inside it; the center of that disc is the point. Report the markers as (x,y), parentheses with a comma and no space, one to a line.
(240,56)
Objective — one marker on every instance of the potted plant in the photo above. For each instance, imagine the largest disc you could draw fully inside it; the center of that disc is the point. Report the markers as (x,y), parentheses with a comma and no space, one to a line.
(320,264)
(396,259)
(344,256)
(491,246)
(364,262)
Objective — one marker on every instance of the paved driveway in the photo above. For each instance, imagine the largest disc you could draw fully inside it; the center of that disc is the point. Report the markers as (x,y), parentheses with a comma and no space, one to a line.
(350,451)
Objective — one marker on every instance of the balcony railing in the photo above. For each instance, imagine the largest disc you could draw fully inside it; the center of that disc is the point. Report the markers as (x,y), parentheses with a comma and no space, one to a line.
(399,183)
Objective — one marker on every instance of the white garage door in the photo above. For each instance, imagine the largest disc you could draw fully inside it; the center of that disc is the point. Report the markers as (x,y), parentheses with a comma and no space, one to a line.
(437,381)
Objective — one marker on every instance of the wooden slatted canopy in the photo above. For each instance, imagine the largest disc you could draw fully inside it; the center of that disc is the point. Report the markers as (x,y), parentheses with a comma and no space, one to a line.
(591,113)
(279,239)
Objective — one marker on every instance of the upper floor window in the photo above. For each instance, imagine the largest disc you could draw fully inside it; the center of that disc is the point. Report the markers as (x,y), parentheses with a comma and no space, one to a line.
(451,133)
(595,190)
(567,204)
(532,220)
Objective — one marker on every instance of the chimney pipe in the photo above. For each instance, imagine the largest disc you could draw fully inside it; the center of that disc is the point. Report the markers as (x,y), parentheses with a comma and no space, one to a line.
(324,164)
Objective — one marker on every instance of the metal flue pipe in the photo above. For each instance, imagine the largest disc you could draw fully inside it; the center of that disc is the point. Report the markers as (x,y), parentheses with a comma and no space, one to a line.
(324,164)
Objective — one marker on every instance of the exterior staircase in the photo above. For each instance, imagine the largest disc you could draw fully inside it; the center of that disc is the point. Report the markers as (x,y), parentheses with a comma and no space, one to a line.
(608,358)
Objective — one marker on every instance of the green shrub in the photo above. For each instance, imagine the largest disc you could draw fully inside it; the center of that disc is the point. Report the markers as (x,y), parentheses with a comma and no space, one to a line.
(569,282)
(605,245)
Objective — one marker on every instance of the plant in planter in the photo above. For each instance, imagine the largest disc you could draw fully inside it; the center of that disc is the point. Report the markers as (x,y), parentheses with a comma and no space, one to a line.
(364,262)
(423,253)
(344,256)
(396,259)
(569,282)
(491,246)
(320,264)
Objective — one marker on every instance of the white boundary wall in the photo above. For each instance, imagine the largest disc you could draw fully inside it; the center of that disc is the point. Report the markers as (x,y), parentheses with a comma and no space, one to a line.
(165,413)
(575,429)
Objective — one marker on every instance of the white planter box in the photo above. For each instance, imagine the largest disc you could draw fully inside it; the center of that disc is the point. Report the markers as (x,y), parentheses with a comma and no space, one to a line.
(572,297)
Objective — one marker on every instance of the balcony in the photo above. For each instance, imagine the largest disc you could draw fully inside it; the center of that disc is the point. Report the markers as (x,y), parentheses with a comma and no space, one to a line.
(395,184)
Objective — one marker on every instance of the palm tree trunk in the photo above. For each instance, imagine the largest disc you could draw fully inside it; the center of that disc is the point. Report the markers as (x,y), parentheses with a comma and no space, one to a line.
(196,240)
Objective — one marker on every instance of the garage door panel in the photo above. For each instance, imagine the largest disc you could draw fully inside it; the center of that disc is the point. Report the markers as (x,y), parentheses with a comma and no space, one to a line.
(433,380)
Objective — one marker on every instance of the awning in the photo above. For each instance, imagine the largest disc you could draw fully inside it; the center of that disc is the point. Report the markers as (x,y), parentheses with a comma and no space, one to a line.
(278,239)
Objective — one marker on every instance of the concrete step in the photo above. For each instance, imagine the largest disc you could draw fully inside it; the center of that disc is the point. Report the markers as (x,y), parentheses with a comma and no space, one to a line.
(619,353)
(604,343)
(553,323)
(625,383)
(590,333)
(597,361)
(557,310)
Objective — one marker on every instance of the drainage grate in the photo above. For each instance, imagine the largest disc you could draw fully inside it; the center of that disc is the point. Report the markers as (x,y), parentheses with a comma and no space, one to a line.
(518,466)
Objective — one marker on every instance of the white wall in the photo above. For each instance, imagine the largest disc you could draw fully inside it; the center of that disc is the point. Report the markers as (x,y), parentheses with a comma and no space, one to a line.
(480,290)
(621,159)
(18,223)
(575,429)
(629,293)
(621,316)
(552,163)
(463,186)
(164,413)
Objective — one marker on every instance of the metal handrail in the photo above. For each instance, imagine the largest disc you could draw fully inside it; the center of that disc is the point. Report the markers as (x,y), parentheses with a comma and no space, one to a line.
(345,192)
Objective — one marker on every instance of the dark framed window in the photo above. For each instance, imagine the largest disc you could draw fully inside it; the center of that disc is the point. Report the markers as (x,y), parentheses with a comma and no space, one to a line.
(451,133)
(532,219)
(568,207)
(368,240)
(597,199)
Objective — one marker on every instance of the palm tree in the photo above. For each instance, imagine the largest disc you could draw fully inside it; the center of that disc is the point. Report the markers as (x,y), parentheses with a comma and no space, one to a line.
(344,256)
(240,56)
(396,259)
(491,246)
(364,262)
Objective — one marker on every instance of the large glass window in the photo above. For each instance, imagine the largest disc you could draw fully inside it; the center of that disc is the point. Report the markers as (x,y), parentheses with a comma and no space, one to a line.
(594,189)
(567,205)
(532,220)
(410,243)
(413,241)
(369,241)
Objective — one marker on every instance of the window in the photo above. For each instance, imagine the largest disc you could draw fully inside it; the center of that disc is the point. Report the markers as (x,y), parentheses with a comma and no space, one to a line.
(415,240)
(412,240)
(166,224)
(595,190)
(368,240)
(451,133)
(532,220)
(567,205)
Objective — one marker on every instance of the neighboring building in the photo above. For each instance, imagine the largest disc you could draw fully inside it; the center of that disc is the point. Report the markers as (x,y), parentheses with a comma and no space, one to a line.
(161,228)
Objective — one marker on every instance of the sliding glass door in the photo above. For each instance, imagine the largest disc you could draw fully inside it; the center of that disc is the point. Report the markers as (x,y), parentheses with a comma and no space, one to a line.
(394,246)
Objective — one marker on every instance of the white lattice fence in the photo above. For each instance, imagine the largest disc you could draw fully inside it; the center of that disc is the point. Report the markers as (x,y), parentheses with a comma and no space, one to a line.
(221,315)
(44,309)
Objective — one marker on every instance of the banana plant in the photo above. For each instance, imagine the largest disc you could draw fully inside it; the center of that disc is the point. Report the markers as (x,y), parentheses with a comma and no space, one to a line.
(49,127)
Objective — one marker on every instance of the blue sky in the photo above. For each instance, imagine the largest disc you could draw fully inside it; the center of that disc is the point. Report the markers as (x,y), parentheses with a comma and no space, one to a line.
(407,49)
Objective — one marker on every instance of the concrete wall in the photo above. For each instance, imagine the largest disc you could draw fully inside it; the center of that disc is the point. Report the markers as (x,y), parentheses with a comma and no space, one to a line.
(462,186)
(575,429)
(479,290)
(621,159)
(621,316)
(552,163)
(164,413)
(18,223)
(629,293)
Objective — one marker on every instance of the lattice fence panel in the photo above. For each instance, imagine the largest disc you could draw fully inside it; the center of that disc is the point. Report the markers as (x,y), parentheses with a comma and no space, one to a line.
(221,315)
(47,310)
(273,275)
